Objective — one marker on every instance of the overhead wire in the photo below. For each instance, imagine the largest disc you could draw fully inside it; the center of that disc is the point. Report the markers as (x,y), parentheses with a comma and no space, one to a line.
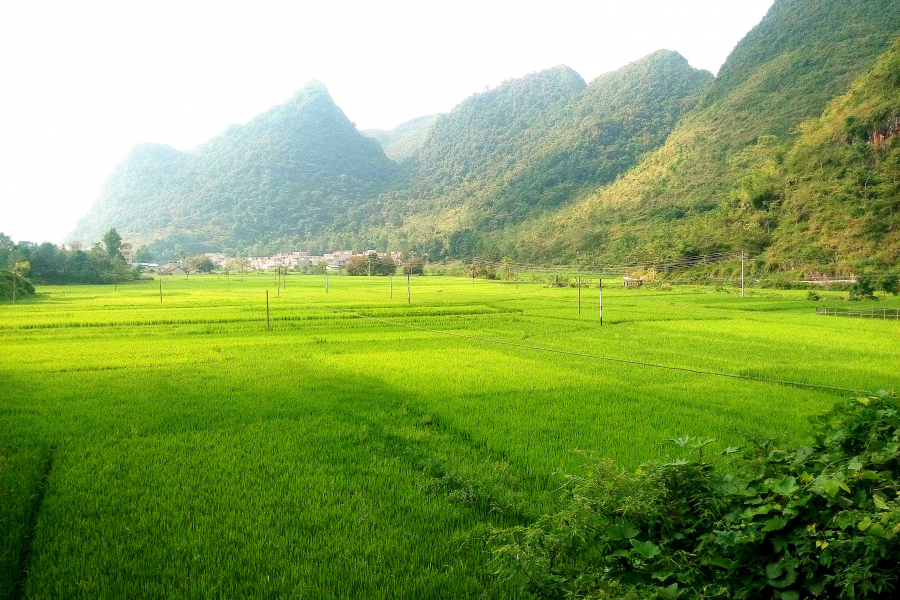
(581,354)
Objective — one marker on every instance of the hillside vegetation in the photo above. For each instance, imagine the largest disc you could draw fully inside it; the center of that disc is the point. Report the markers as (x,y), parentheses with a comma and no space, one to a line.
(654,160)
(278,180)
(527,147)
(301,175)
(837,195)
(680,199)
(404,141)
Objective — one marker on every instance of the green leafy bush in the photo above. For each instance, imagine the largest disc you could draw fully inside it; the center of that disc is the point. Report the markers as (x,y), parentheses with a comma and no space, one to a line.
(821,520)
(22,286)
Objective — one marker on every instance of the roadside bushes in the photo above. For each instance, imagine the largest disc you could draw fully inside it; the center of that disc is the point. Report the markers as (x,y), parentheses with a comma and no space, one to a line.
(819,520)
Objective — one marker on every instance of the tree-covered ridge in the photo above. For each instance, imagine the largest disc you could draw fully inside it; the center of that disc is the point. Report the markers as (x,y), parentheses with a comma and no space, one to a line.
(802,54)
(301,175)
(483,132)
(618,117)
(526,148)
(680,199)
(404,141)
(652,161)
(278,180)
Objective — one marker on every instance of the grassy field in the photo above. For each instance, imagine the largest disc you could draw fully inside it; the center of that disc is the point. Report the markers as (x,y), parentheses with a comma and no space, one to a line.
(358,444)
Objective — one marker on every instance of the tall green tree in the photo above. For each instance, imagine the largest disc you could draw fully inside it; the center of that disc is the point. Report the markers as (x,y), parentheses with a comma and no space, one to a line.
(143,255)
(112,240)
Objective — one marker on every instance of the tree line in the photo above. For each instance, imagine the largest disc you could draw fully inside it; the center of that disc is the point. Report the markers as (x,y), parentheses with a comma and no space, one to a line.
(49,264)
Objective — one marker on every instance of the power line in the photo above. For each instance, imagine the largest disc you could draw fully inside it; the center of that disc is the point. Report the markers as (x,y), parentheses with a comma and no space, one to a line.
(684,262)
(584,355)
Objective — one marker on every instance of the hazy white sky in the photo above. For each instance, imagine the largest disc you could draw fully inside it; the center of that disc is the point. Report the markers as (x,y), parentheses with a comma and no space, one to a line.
(82,82)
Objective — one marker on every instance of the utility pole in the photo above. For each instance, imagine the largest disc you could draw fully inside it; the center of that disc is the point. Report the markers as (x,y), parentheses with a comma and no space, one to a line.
(408,300)
(326,279)
(391,277)
(579,295)
(267,312)
(601,302)
(473,270)
(160,290)
(14,288)
(742,273)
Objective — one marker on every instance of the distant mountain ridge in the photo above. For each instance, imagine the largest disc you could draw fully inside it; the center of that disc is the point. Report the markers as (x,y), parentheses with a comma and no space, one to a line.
(404,141)
(300,175)
(529,146)
(656,159)
(280,178)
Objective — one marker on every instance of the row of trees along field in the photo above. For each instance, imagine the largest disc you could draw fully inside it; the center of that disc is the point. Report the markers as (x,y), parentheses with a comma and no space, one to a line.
(49,264)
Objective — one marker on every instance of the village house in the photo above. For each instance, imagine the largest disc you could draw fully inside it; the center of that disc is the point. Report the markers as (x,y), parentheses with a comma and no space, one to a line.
(294,260)
(127,254)
(216,258)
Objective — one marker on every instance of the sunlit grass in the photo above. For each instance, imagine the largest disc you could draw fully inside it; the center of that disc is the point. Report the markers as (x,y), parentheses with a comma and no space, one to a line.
(349,444)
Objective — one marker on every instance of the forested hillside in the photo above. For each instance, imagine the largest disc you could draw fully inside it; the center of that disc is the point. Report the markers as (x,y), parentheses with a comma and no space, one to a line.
(836,196)
(526,147)
(684,199)
(275,182)
(404,141)
(654,160)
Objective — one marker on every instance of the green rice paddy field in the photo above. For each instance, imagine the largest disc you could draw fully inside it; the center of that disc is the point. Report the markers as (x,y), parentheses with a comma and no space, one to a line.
(361,447)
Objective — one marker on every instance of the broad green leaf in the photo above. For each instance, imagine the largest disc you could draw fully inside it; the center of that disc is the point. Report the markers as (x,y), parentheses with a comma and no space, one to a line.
(790,595)
(669,593)
(876,530)
(845,520)
(774,571)
(880,501)
(831,487)
(682,441)
(722,562)
(727,538)
(790,576)
(622,530)
(775,523)
(787,486)
(662,574)
(817,586)
(759,510)
(646,549)
(865,524)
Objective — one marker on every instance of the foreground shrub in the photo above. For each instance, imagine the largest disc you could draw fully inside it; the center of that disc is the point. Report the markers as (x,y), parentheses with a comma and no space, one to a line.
(821,520)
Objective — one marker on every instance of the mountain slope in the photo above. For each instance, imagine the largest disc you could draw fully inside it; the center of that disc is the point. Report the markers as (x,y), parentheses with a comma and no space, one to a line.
(838,196)
(526,147)
(679,200)
(276,181)
(404,141)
